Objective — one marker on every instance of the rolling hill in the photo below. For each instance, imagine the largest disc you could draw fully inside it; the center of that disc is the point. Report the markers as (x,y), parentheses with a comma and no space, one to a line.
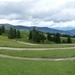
(42,29)
(71,31)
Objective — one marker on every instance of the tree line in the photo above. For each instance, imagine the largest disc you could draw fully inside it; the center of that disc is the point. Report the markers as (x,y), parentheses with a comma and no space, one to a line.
(2,30)
(35,35)
(11,33)
(39,37)
(56,38)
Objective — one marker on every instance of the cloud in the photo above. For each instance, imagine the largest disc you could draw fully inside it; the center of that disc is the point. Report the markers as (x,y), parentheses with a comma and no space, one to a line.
(60,13)
(49,13)
(10,0)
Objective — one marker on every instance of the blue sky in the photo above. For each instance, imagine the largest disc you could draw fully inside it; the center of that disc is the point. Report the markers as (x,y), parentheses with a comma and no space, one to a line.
(42,13)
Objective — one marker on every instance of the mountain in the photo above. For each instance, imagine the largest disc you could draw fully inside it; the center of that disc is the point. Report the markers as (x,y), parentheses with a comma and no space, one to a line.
(7,26)
(71,31)
(65,28)
(22,27)
(42,29)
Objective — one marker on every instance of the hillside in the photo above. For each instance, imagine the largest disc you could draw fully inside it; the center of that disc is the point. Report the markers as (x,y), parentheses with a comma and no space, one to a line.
(71,31)
(7,26)
(43,29)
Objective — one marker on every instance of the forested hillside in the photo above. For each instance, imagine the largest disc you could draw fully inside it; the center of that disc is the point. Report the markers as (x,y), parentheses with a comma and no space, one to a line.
(35,36)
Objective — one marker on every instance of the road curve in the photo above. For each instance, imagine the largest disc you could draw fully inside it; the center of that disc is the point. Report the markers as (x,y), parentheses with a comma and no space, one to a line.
(38,59)
(9,48)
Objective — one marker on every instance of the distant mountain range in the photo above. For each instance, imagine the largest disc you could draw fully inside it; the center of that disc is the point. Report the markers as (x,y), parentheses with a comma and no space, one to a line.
(65,28)
(43,29)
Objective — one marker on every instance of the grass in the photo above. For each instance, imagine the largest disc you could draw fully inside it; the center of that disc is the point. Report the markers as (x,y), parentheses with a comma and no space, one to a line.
(24,67)
(65,38)
(5,42)
(73,40)
(40,54)
(24,36)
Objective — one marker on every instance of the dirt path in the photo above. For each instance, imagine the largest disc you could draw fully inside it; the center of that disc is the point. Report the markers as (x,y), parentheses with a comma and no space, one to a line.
(38,44)
(26,43)
(9,48)
(37,59)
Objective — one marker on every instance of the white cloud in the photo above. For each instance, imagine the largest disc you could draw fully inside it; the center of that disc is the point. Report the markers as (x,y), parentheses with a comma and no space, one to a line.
(50,13)
(64,24)
(10,0)
(3,21)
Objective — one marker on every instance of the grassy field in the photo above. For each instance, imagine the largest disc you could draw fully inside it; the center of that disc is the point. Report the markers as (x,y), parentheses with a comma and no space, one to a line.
(24,36)
(5,42)
(26,67)
(65,38)
(22,67)
(41,54)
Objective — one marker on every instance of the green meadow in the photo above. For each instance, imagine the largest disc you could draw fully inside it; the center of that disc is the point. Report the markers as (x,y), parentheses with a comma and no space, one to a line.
(5,42)
(9,66)
(40,53)
(25,67)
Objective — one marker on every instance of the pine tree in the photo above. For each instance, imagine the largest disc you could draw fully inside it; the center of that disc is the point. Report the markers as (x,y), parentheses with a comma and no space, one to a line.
(54,38)
(3,29)
(69,40)
(18,34)
(49,37)
(63,41)
(0,31)
(38,38)
(30,35)
(43,37)
(11,33)
(14,33)
(57,38)
(34,34)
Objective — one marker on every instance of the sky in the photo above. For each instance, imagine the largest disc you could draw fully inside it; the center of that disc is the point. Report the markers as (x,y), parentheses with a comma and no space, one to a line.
(42,13)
